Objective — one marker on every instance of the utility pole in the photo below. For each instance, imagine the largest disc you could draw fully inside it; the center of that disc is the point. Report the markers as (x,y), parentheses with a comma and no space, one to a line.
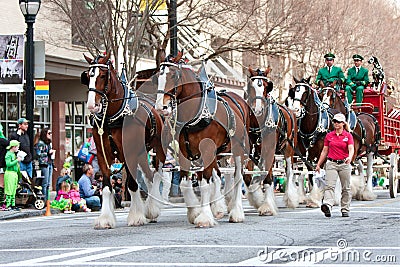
(173,28)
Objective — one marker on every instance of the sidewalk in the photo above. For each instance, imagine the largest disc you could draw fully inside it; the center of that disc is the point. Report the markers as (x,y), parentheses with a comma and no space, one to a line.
(32,212)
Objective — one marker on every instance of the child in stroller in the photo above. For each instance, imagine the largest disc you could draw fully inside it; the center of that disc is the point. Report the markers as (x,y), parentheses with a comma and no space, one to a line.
(28,192)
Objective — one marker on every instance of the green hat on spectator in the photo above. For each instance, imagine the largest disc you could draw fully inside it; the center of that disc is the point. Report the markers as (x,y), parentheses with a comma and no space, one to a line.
(12,144)
(357,57)
(329,56)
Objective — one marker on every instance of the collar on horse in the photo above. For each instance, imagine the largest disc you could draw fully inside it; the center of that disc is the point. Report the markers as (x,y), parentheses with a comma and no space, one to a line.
(309,139)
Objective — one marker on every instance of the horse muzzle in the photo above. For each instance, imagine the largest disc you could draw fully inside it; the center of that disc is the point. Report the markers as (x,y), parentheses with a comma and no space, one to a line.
(96,108)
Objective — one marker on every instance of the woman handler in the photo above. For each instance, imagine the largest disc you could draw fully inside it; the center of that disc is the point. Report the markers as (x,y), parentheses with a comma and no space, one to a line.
(339,149)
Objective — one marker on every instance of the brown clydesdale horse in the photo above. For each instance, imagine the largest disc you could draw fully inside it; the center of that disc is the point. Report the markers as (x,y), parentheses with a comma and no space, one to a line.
(276,134)
(367,136)
(207,123)
(124,127)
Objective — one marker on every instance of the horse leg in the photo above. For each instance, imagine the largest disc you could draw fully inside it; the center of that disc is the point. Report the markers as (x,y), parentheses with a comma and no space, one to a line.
(357,182)
(291,196)
(268,206)
(228,190)
(136,215)
(254,191)
(300,189)
(237,214)
(154,196)
(218,206)
(205,218)
(166,185)
(368,194)
(314,199)
(186,186)
(107,219)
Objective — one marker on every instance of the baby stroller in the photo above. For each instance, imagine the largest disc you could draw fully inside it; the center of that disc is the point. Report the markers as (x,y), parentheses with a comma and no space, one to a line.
(28,193)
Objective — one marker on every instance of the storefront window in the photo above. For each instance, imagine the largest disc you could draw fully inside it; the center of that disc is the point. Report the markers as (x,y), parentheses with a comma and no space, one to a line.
(2,105)
(76,126)
(12,106)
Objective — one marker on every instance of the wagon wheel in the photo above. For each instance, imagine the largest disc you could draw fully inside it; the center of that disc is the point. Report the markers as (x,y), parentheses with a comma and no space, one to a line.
(39,204)
(393,181)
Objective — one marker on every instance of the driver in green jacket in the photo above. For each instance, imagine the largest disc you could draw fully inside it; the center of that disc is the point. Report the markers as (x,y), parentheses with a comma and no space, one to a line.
(357,80)
(330,76)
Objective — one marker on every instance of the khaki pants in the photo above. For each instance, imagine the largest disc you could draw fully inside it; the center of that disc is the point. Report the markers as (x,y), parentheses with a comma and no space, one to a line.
(333,171)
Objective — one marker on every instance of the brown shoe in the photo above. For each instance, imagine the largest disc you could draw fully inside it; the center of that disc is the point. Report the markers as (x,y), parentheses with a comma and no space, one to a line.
(326,210)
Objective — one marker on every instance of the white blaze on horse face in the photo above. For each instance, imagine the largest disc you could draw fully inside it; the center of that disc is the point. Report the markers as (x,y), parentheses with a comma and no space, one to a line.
(258,86)
(91,103)
(298,93)
(162,81)
(326,99)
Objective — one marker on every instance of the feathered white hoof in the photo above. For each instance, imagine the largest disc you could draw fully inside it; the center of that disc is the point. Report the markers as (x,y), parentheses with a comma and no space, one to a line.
(107,219)
(265,210)
(136,215)
(136,219)
(192,203)
(104,222)
(203,220)
(368,195)
(218,209)
(236,216)
(254,195)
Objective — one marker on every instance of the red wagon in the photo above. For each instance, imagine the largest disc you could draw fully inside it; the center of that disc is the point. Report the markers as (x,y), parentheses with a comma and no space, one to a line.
(382,107)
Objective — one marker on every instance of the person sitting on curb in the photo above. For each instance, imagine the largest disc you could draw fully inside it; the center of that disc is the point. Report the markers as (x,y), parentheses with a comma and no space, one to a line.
(86,190)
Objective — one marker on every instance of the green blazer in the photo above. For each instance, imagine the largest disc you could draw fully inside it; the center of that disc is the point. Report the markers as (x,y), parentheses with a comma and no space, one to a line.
(326,77)
(361,76)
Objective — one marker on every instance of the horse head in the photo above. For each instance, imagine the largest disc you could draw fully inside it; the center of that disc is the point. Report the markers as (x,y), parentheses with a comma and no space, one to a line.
(97,78)
(298,96)
(258,89)
(328,96)
(173,75)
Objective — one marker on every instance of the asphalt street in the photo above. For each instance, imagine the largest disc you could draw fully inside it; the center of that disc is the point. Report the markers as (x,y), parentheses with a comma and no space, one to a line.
(301,237)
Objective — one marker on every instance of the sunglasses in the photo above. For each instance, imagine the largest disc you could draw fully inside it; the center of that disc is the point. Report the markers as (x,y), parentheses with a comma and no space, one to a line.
(335,121)
(49,132)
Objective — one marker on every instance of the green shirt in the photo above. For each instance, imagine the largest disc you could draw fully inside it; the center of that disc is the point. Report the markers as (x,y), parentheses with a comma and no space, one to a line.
(361,76)
(11,162)
(326,77)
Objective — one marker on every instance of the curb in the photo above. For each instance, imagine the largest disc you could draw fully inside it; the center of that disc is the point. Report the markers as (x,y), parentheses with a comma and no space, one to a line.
(24,213)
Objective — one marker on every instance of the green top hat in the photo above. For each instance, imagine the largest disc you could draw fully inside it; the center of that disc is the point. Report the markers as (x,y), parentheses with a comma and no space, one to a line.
(356,56)
(329,56)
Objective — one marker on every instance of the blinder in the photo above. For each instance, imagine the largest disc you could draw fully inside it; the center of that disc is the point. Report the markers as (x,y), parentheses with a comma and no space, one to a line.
(85,78)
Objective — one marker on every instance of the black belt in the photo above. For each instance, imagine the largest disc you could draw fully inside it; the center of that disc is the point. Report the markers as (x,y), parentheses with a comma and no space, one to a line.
(338,161)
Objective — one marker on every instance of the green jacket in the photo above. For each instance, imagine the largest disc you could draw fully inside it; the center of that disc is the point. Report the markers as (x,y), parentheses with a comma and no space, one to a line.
(329,77)
(361,78)
(11,162)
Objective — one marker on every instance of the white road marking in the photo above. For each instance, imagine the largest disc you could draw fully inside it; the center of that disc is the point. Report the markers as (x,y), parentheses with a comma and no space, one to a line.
(94,254)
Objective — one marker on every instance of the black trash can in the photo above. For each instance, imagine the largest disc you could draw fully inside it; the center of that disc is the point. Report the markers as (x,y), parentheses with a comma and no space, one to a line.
(78,165)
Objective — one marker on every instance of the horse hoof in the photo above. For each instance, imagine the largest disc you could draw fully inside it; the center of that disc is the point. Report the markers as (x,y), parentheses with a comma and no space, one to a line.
(203,225)
(102,227)
(265,213)
(312,205)
(219,215)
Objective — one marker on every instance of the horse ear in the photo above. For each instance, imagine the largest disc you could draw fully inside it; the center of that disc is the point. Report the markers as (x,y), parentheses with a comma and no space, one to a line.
(308,80)
(178,57)
(251,71)
(88,59)
(295,80)
(162,55)
(107,56)
(267,70)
